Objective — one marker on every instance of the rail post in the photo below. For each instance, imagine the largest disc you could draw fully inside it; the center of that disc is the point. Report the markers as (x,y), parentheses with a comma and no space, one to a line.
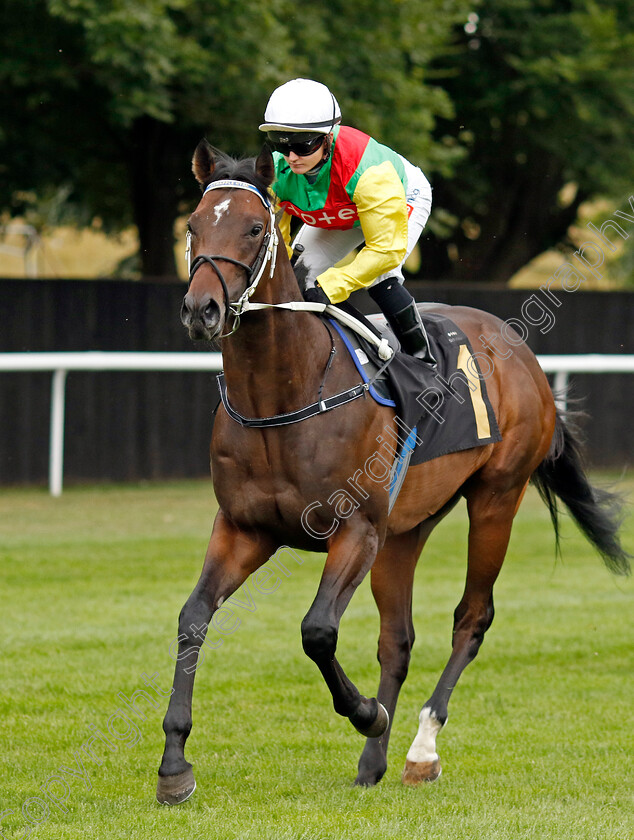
(56,447)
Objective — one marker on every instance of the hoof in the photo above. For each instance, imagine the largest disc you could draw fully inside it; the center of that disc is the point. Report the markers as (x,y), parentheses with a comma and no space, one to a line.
(172,790)
(372,764)
(380,724)
(370,778)
(418,772)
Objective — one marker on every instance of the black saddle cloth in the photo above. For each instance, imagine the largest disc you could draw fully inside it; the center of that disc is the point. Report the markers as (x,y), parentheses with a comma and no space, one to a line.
(448,406)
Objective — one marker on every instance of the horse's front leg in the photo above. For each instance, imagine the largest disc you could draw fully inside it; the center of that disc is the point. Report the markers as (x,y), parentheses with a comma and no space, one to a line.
(351,554)
(231,557)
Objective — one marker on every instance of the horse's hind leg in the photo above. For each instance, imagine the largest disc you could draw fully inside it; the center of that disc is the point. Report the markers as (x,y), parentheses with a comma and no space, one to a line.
(392,579)
(491,518)
(231,557)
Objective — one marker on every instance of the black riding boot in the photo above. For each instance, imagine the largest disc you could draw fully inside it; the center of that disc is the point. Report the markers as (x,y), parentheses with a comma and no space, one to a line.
(399,307)
(410,331)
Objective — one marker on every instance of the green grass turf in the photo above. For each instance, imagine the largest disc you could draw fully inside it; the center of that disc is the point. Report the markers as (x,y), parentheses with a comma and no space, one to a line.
(538,744)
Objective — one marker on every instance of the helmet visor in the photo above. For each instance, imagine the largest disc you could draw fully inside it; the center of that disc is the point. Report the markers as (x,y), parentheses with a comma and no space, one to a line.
(300,143)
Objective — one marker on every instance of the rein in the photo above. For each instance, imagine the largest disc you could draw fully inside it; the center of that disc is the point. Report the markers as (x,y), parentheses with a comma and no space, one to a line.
(266,254)
(312,410)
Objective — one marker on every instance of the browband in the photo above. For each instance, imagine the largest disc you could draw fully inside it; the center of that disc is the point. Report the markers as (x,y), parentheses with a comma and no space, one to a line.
(237,185)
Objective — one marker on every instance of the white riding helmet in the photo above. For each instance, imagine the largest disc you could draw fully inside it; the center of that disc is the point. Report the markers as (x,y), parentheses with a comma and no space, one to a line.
(301,105)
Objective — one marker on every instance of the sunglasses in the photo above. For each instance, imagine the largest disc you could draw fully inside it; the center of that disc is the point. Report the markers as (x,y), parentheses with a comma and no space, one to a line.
(302,148)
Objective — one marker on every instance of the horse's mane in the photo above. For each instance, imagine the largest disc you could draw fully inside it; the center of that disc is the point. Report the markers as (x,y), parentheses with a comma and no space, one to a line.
(236,169)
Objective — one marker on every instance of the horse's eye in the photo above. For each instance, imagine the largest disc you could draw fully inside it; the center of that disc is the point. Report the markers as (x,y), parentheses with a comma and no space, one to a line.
(256,230)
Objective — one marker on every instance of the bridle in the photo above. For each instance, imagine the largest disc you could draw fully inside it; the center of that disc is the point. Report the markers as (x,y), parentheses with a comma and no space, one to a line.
(254,272)
(268,254)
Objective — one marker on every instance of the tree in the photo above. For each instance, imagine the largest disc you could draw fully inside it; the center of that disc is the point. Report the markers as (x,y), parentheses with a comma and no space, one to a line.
(543,92)
(109,98)
(112,97)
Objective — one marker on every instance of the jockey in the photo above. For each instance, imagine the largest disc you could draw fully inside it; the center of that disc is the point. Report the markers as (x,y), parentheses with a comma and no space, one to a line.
(348,190)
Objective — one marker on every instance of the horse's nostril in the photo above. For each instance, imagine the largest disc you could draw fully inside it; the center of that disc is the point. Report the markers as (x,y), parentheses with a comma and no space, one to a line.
(200,317)
(211,313)
(185,312)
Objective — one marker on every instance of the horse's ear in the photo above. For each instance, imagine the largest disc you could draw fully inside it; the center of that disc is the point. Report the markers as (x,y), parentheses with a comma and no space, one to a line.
(203,162)
(265,166)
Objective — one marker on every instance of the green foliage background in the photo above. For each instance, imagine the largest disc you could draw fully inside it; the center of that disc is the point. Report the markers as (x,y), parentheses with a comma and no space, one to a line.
(502,103)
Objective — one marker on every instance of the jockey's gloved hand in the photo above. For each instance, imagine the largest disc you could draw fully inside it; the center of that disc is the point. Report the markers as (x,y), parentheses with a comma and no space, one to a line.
(315,294)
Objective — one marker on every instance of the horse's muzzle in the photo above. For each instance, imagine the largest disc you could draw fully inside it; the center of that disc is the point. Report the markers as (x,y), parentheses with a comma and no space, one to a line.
(201,317)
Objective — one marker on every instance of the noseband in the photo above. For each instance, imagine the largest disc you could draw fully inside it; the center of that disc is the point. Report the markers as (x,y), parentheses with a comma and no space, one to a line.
(267,253)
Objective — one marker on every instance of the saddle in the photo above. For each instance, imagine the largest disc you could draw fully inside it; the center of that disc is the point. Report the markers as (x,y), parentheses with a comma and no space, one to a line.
(372,368)
(442,410)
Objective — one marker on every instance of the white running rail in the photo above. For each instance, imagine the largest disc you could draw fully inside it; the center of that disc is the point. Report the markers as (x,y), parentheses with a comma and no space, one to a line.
(60,364)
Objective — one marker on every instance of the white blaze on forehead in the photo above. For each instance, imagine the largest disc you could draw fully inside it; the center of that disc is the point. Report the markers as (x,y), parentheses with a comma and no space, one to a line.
(221,209)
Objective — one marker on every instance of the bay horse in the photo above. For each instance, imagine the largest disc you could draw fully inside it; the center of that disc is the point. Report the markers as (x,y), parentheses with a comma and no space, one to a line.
(278,362)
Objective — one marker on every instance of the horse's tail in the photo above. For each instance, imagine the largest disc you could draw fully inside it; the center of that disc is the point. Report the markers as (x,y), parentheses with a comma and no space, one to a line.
(597,512)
